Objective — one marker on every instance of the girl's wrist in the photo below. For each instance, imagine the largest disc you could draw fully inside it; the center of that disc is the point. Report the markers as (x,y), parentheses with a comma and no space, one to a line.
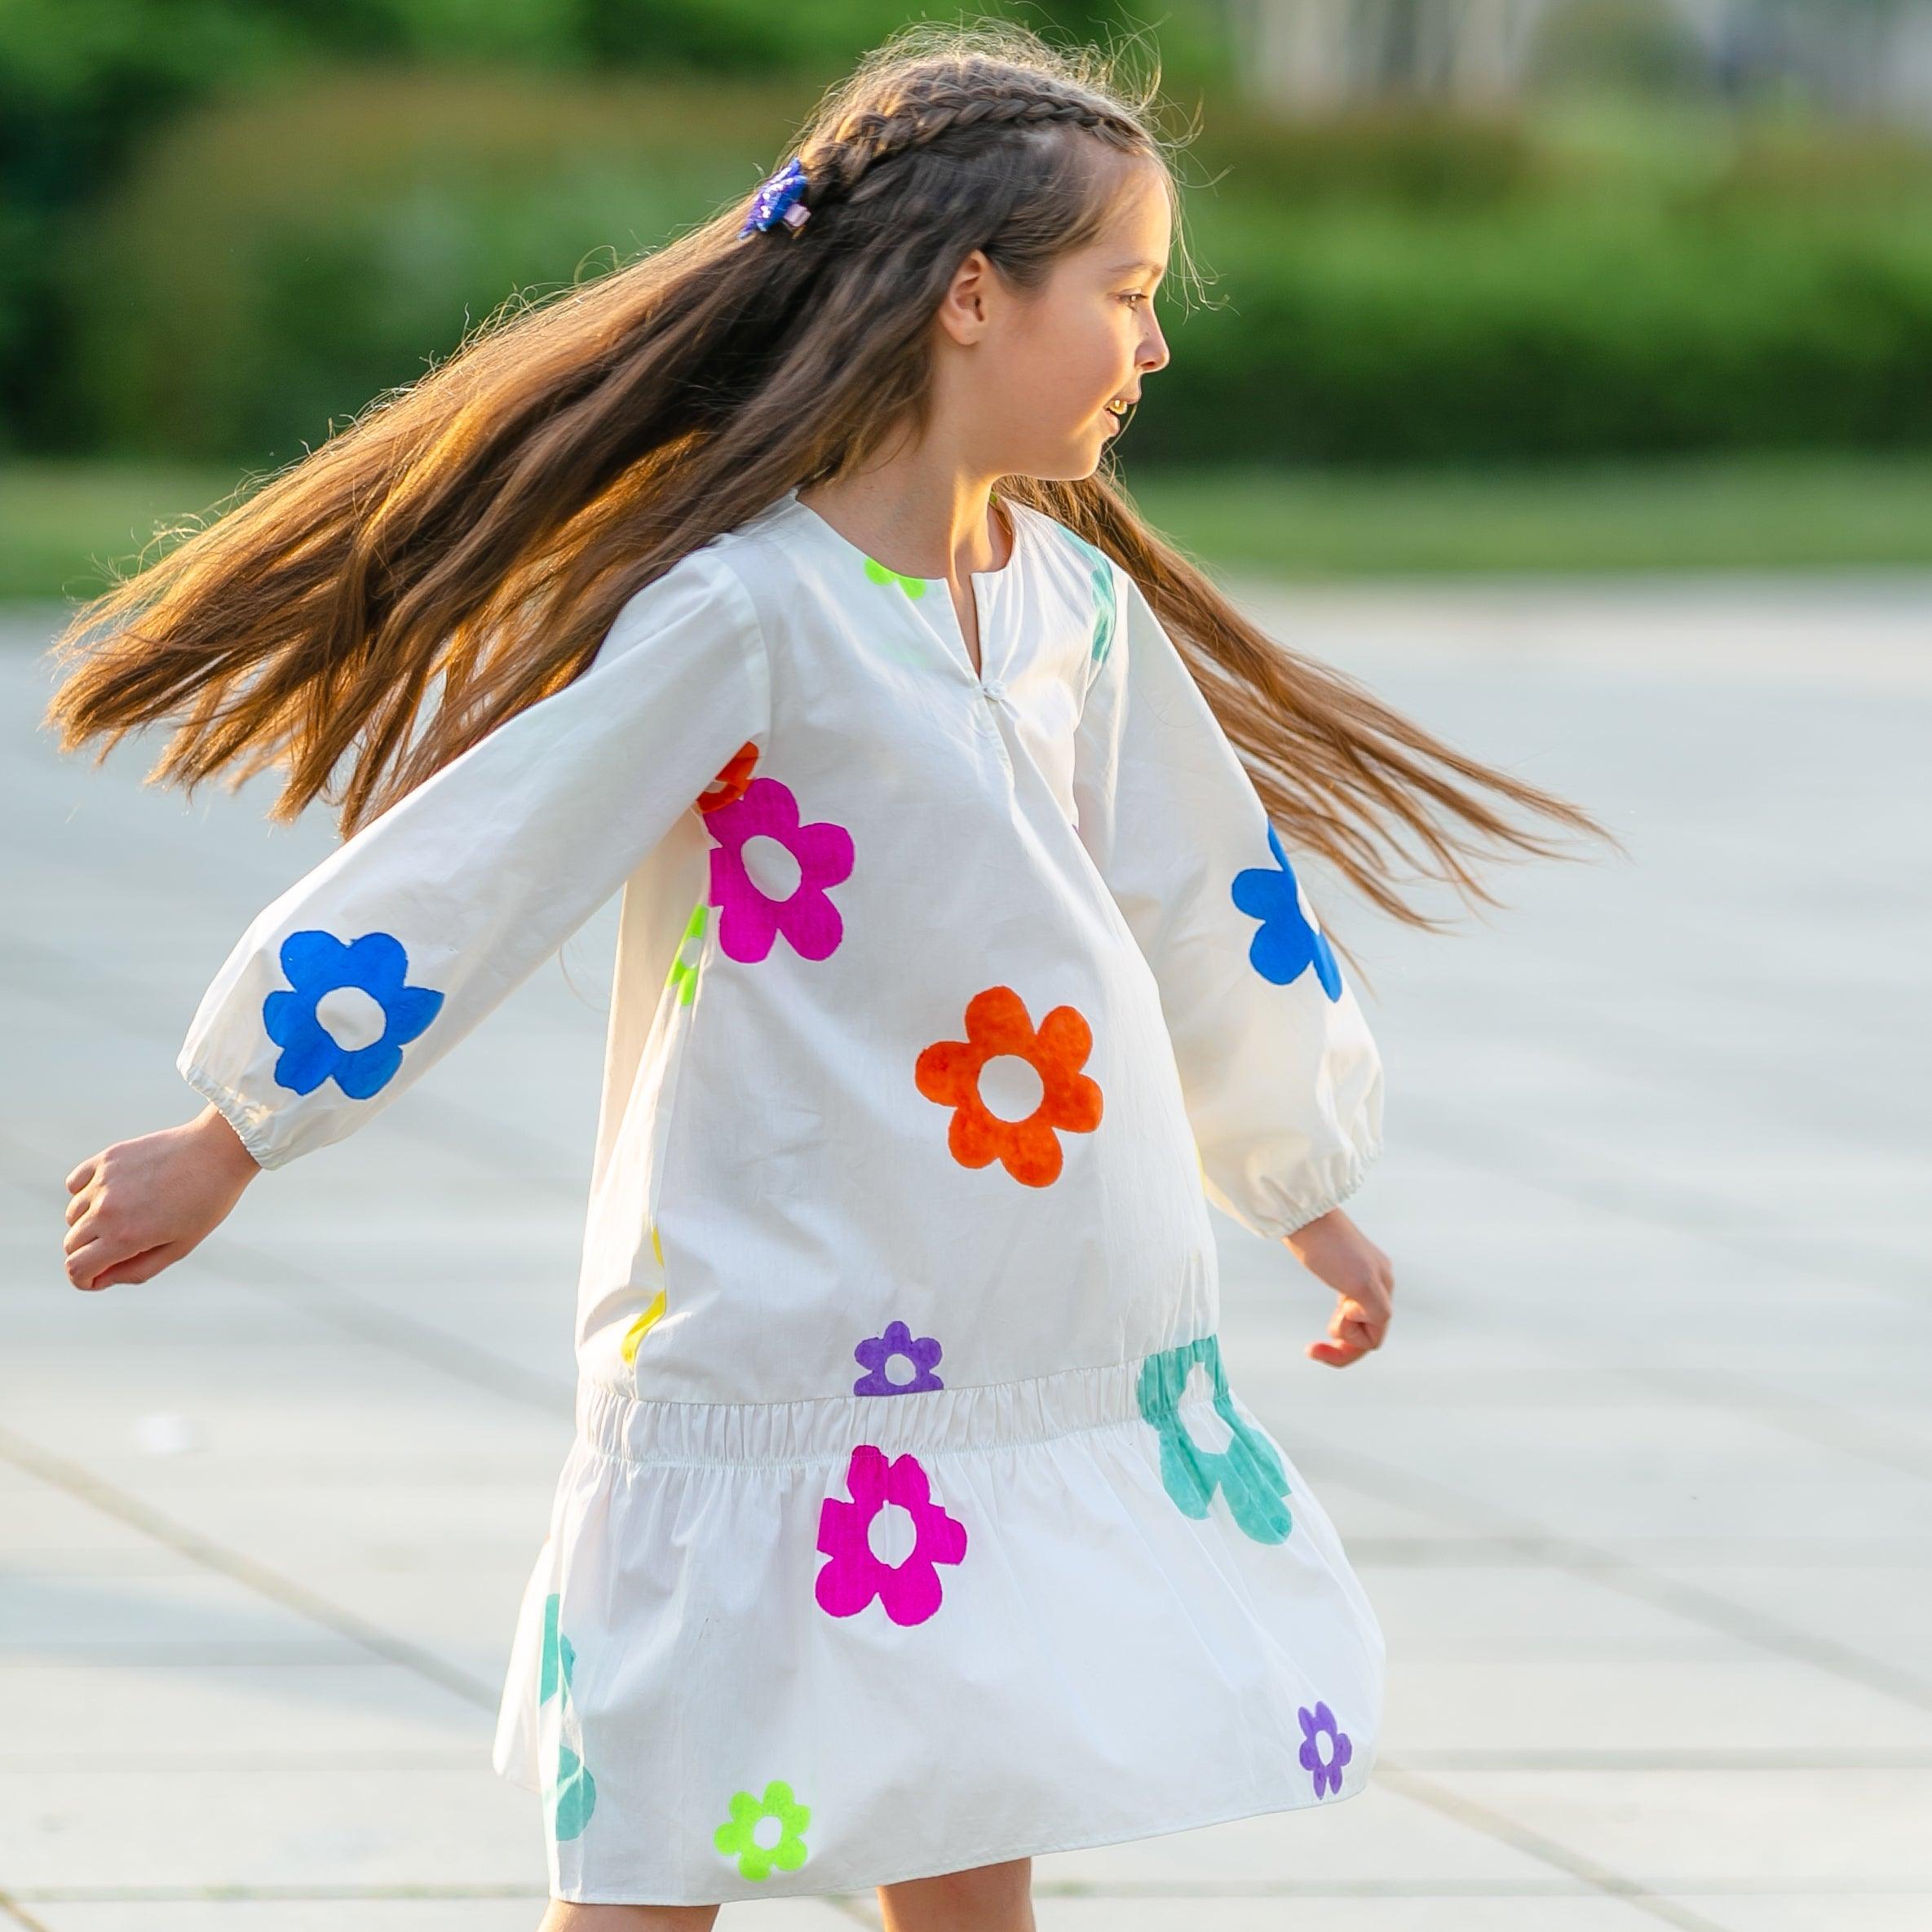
(213,1127)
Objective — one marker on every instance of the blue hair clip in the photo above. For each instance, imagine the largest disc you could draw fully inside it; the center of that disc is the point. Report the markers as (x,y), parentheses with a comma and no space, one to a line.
(778,200)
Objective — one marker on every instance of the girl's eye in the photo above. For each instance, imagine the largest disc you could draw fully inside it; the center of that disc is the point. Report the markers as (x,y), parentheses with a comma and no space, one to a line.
(1134,295)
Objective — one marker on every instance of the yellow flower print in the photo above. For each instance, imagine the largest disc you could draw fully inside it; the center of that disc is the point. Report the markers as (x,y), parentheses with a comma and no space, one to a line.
(654,1313)
(642,1326)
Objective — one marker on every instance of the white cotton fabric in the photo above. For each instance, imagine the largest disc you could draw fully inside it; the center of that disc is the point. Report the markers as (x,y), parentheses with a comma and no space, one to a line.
(1099,1603)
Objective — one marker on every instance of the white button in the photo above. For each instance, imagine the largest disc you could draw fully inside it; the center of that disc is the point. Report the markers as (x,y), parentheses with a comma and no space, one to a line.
(994,688)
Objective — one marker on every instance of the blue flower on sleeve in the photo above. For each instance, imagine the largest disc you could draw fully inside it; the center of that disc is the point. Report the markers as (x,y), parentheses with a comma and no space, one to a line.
(1288,944)
(318,964)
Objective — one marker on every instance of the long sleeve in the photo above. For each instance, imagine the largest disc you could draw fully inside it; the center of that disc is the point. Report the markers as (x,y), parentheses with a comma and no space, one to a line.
(367,970)
(1282,1080)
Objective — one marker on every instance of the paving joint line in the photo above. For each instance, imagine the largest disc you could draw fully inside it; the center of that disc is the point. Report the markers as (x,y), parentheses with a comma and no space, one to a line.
(1505,1830)
(60,1472)
(1624,1574)
(496,1147)
(247,1268)
(1645,1199)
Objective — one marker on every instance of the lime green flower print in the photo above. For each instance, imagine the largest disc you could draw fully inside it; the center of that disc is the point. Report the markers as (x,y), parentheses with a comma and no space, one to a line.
(691,949)
(572,1798)
(913,586)
(744,1834)
(1247,1472)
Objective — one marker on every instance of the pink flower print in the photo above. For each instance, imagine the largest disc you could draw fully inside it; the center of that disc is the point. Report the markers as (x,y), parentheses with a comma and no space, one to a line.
(854,1575)
(750,918)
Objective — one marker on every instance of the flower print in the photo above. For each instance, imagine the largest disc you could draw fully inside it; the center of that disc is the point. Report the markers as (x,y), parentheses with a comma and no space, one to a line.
(913,586)
(749,919)
(738,1836)
(654,1309)
(731,782)
(873,1354)
(689,956)
(1248,1472)
(948,1071)
(1325,1762)
(643,1326)
(853,1576)
(318,964)
(572,1794)
(1104,611)
(1289,942)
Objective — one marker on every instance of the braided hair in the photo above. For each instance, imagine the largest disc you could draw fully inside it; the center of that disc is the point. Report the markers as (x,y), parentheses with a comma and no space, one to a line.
(950,106)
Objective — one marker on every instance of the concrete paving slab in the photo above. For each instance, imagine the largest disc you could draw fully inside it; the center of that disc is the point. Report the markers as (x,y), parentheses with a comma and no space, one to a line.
(1642,1487)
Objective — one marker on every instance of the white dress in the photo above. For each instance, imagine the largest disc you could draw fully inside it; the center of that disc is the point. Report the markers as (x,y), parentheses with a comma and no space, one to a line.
(911,1522)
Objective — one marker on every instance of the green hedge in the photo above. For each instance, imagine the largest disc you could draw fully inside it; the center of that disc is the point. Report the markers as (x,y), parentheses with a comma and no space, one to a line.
(1390,290)
(1546,331)
(248,304)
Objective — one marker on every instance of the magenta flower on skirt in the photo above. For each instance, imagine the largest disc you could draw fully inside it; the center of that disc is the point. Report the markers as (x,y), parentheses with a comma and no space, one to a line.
(853,1574)
(750,919)
(1325,1762)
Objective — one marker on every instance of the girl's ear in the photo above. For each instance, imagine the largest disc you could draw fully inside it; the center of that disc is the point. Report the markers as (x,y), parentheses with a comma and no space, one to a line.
(963,308)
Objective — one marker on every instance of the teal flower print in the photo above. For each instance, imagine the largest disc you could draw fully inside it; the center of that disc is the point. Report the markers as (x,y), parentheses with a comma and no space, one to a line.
(572,1796)
(1105,614)
(1248,1472)
(742,1836)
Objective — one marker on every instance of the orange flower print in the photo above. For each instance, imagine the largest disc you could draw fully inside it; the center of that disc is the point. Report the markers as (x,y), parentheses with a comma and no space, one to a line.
(731,782)
(1029,1149)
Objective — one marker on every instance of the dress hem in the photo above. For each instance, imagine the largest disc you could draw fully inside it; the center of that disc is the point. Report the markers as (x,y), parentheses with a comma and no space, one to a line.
(1001,1854)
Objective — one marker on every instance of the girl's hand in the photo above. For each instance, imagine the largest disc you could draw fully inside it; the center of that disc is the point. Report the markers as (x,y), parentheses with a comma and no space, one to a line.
(1334,1250)
(141,1204)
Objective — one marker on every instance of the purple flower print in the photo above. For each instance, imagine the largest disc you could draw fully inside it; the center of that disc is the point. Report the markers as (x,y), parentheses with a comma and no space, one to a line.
(1324,1764)
(749,919)
(873,1354)
(853,1576)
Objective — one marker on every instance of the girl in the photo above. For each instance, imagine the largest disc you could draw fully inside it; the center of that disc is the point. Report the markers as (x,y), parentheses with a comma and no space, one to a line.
(912,1526)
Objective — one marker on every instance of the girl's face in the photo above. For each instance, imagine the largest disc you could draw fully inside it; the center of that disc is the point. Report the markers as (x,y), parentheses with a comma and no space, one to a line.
(1032,394)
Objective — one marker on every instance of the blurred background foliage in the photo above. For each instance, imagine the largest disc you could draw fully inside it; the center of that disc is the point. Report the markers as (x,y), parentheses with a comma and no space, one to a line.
(227,224)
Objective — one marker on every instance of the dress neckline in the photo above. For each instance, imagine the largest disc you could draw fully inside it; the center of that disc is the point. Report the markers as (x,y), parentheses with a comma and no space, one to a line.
(1016,524)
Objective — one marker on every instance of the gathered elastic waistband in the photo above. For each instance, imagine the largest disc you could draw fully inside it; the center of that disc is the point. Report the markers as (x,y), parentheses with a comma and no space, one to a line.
(823,1428)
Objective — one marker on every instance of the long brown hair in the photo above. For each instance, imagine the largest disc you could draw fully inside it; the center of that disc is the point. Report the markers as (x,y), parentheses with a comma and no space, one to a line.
(479,529)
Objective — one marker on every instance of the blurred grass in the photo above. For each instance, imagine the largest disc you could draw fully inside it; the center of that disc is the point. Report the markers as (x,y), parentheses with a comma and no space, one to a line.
(63,524)
(1748,513)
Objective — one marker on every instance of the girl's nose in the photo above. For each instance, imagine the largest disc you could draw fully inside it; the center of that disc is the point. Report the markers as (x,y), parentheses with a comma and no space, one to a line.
(1153,351)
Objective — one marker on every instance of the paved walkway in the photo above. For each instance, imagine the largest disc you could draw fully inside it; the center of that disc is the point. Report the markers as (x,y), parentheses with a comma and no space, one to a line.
(1642,1487)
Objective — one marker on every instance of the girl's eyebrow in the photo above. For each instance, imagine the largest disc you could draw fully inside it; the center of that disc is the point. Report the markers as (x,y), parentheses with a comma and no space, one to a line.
(1139,261)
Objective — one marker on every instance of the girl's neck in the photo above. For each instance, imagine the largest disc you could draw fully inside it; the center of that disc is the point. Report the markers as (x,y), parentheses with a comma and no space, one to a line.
(919,517)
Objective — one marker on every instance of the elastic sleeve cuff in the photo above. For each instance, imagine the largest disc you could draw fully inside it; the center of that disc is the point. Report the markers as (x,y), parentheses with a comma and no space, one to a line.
(235,1111)
(1263,1209)
(1335,1198)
